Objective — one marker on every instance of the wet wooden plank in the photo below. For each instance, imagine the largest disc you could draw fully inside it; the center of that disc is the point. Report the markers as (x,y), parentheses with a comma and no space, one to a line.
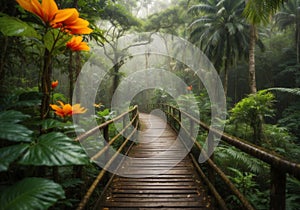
(157,177)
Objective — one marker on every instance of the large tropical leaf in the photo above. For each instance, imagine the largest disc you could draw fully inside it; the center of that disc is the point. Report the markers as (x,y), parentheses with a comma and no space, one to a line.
(10,130)
(10,154)
(15,132)
(11,26)
(12,116)
(54,149)
(31,194)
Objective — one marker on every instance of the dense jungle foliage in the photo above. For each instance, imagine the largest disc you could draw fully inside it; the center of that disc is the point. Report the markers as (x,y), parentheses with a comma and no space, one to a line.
(44,47)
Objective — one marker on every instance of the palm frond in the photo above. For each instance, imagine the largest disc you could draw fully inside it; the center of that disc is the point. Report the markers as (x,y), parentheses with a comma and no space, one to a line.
(294,91)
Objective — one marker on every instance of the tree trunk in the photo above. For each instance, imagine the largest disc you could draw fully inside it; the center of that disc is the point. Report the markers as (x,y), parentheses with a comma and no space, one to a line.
(46,85)
(298,44)
(226,66)
(2,61)
(71,77)
(77,71)
(252,81)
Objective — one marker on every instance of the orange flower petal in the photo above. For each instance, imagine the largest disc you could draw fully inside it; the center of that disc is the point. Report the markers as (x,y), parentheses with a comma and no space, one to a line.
(66,16)
(60,113)
(55,107)
(50,9)
(79,26)
(61,103)
(32,6)
(77,109)
(67,109)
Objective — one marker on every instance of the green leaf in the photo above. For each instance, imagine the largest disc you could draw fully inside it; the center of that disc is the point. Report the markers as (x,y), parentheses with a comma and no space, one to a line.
(11,26)
(10,154)
(54,149)
(51,123)
(31,193)
(15,132)
(12,116)
(11,131)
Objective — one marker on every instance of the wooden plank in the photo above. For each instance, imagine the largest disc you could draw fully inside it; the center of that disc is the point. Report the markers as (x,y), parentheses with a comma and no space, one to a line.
(157,177)
(170,196)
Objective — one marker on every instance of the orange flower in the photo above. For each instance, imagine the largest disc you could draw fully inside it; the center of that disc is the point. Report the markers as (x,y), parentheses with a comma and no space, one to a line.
(189,87)
(54,84)
(68,19)
(66,110)
(45,10)
(76,44)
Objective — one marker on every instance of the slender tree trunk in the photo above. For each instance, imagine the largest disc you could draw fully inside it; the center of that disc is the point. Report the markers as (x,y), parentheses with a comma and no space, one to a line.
(252,80)
(71,76)
(2,61)
(298,44)
(225,83)
(77,70)
(226,66)
(46,85)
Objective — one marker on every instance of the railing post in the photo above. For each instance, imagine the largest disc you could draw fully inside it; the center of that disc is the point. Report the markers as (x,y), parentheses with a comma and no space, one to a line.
(124,125)
(106,138)
(192,126)
(278,183)
(211,171)
(179,116)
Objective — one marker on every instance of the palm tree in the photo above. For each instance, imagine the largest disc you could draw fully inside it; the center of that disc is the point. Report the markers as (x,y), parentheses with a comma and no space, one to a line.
(289,17)
(257,12)
(220,31)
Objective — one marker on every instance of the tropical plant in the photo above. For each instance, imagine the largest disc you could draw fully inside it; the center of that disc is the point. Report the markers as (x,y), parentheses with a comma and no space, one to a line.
(245,182)
(278,139)
(22,147)
(293,194)
(53,29)
(251,110)
(229,156)
(221,32)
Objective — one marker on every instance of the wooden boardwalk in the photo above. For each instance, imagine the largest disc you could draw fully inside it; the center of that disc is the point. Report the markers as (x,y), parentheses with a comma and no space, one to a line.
(157,177)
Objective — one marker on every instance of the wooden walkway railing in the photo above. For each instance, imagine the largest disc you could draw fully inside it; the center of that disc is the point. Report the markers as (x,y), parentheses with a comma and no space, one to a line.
(132,114)
(149,185)
(279,166)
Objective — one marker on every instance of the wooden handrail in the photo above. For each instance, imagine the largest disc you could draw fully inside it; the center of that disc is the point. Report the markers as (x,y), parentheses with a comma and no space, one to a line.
(279,165)
(104,126)
(223,176)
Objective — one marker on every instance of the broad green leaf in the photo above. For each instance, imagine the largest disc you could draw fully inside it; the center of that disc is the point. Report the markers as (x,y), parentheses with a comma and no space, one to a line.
(10,130)
(28,103)
(10,154)
(12,116)
(54,149)
(51,123)
(11,26)
(15,132)
(31,194)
